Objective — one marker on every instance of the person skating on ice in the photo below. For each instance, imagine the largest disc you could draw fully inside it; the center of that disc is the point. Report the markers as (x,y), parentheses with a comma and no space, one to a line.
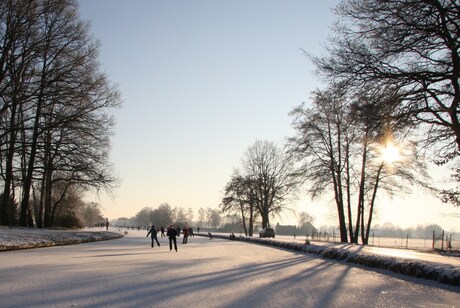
(172,233)
(153,234)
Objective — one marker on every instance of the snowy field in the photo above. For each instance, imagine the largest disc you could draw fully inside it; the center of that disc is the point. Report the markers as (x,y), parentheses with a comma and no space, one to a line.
(391,242)
(127,272)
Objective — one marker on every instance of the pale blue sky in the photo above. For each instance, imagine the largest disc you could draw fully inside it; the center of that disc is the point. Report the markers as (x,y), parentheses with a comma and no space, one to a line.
(201,81)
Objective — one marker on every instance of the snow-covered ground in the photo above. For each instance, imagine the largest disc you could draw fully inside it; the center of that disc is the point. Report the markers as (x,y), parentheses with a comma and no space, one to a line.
(23,238)
(127,272)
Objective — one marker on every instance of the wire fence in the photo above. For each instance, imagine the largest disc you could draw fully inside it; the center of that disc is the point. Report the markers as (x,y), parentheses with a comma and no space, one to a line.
(439,241)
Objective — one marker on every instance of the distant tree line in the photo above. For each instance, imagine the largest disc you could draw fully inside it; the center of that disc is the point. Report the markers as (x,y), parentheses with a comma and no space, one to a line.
(306,229)
(165,215)
(55,113)
(419,231)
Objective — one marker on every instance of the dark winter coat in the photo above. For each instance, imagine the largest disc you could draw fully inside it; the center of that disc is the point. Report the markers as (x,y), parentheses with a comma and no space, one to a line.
(152,232)
(171,232)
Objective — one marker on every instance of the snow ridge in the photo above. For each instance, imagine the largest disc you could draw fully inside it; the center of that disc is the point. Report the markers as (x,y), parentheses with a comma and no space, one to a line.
(443,273)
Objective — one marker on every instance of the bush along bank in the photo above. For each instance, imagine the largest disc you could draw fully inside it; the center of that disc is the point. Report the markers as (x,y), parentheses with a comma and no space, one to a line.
(443,273)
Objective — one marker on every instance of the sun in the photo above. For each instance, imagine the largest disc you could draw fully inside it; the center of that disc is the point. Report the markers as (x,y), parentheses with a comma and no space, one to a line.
(390,153)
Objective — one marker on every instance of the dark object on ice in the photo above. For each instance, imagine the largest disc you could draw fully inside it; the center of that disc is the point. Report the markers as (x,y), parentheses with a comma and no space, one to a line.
(267,232)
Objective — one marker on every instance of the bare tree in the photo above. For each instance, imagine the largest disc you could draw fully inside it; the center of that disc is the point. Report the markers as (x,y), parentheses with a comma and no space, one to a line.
(181,216)
(57,103)
(412,46)
(90,214)
(321,146)
(201,217)
(374,116)
(214,218)
(163,215)
(16,42)
(240,198)
(144,217)
(190,215)
(304,217)
(338,144)
(271,172)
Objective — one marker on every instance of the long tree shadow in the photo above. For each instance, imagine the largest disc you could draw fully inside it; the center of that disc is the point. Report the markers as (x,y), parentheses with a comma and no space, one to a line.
(247,283)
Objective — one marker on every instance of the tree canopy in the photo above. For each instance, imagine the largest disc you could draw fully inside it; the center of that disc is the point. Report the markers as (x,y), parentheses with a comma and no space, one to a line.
(410,45)
(55,109)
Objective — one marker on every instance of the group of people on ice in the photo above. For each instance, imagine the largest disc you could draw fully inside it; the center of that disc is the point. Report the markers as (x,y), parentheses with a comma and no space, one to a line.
(172,234)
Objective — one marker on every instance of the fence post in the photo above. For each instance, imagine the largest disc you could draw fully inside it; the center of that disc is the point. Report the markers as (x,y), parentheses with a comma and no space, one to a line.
(442,240)
(407,240)
(432,245)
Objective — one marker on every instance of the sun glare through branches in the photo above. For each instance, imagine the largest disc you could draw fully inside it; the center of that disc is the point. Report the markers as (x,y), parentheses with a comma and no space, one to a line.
(390,153)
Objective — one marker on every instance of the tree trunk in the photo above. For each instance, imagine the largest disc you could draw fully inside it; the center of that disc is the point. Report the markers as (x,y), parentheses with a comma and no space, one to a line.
(340,208)
(362,186)
(243,218)
(348,185)
(251,212)
(251,219)
(6,205)
(371,206)
(25,208)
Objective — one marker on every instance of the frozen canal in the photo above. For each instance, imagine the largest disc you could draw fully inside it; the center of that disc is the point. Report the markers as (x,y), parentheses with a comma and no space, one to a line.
(204,273)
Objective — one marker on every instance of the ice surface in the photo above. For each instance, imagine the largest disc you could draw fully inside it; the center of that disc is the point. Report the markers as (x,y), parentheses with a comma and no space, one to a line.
(204,273)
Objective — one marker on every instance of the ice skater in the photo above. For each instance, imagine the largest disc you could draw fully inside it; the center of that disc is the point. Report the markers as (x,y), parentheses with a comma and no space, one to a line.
(153,234)
(186,234)
(172,233)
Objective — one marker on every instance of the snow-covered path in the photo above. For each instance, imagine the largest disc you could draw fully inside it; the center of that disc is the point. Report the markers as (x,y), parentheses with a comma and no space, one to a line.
(204,273)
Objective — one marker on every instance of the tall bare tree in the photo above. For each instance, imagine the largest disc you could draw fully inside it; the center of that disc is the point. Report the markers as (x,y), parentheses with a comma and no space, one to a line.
(322,147)
(338,144)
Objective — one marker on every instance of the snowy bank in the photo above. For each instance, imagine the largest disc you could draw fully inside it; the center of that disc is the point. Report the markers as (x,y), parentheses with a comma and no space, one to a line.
(24,238)
(443,273)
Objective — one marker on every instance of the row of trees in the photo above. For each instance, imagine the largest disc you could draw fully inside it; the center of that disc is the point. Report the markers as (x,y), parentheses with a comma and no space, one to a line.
(390,230)
(394,68)
(340,146)
(55,111)
(392,96)
(165,215)
(419,231)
